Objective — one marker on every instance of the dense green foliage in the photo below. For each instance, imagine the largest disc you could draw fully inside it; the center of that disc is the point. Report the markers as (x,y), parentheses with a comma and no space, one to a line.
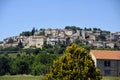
(111,78)
(26,64)
(74,64)
(30,77)
(4,65)
(20,77)
(74,28)
(9,49)
(96,29)
(33,61)
(41,34)
(28,33)
(101,37)
(87,29)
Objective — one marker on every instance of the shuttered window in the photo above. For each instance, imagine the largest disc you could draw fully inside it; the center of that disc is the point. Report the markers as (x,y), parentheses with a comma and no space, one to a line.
(107,63)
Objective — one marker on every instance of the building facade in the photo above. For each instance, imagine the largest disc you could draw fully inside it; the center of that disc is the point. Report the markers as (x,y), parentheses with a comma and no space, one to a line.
(107,61)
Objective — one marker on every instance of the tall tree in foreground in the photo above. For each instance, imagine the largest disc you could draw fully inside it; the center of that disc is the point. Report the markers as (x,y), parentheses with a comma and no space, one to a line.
(75,64)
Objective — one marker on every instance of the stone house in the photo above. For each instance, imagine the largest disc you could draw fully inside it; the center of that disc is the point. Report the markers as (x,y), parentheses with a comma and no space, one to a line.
(48,32)
(55,32)
(97,33)
(23,39)
(10,45)
(62,40)
(109,44)
(69,32)
(116,37)
(88,32)
(61,34)
(6,40)
(97,44)
(107,61)
(92,37)
(77,33)
(82,34)
(36,41)
(1,44)
(90,41)
(52,41)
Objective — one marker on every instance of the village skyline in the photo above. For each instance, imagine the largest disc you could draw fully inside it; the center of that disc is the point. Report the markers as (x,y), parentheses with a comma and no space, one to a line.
(23,15)
(95,37)
(54,28)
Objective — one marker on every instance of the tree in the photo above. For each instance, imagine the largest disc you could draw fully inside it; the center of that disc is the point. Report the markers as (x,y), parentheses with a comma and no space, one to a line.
(95,29)
(33,31)
(26,33)
(42,63)
(23,67)
(4,65)
(13,67)
(101,37)
(87,29)
(40,69)
(46,46)
(31,51)
(42,33)
(74,28)
(75,64)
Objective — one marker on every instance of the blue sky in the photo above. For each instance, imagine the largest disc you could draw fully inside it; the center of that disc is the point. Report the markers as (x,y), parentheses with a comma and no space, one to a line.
(22,15)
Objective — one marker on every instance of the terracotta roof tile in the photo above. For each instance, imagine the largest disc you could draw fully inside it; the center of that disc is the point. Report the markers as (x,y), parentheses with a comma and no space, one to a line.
(106,54)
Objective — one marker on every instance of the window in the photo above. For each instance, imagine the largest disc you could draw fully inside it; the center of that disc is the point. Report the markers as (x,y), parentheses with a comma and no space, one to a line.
(107,63)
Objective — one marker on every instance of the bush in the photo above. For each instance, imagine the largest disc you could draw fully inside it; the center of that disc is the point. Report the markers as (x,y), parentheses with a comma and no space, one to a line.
(75,64)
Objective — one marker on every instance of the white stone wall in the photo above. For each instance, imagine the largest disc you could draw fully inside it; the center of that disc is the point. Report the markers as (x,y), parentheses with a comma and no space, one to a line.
(94,59)
(69,32)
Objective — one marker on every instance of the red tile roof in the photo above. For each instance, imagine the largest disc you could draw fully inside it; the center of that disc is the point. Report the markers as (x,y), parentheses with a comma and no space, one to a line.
(106,54)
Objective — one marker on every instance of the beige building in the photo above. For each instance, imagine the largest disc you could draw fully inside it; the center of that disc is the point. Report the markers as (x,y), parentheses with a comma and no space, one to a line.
(69,32)
(48,32)
(36,41)
(82,34)
(55,32)
(52,40)
(110,45)
(107,61)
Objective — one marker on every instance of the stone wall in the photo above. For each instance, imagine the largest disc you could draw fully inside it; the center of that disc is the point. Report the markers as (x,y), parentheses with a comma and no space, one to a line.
(110,70)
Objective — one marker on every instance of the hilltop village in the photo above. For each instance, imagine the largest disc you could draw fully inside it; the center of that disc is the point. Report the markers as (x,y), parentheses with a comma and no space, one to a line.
(37,38)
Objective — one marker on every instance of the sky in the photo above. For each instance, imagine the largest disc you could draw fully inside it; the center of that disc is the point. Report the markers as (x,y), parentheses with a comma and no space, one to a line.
(17,16)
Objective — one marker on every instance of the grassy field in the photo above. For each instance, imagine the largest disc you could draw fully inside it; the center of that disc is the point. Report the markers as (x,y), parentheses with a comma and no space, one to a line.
(21,77)
(111,78)
(29,77)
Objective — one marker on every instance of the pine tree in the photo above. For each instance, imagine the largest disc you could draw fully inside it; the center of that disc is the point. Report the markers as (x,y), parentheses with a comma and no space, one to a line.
(75,64)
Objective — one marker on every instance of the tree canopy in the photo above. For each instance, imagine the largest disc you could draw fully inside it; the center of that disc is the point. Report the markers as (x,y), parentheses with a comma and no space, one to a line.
(75,64)
(74,28)
(28,33)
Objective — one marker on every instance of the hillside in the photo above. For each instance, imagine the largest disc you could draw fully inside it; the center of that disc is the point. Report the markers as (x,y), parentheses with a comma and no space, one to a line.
(94,37)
